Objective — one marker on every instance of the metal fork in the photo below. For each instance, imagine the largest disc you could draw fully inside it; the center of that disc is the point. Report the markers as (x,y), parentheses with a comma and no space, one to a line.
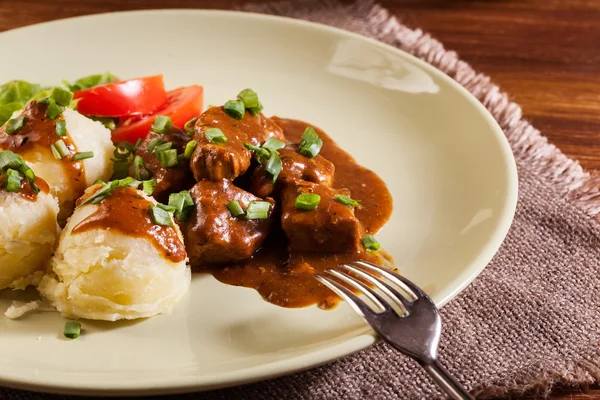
(415,331)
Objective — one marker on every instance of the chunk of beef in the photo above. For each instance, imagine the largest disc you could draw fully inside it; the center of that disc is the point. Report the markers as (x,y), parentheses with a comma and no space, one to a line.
(168,180)
(330,228)
(213,235)
(295,166)
(216,161)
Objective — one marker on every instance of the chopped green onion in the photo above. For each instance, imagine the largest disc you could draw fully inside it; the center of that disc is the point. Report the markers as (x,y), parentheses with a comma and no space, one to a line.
(13,180)
(163,147)
(235,208)
(370,243)
(248,97)
(235,109)
(181,203)
(108,122)
(98,182)
(347,201)
(148,186)
(84,155)
(189,149)
(59,149)
(72,329)
(61,128)
(274,166)
(311,143)
(153,143)
(122,151)
(100,194)
(261,155)
(273,144)
(15,124)
(8,159)
(167,208)
(168,158)
(256,110)
(307,201)
(162,124)
(129,181)
(61,96)
(121,167)
(53,110)
(258,210)
(139,169)
(188,128)
(215,135)
(136,145)
(160,216)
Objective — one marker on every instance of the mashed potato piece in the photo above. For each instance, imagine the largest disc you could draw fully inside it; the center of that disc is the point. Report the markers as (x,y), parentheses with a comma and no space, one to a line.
(106,275)
(86,135)
(27,237)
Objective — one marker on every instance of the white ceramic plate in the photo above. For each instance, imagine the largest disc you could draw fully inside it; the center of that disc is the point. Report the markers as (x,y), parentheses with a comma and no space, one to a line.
(444,158)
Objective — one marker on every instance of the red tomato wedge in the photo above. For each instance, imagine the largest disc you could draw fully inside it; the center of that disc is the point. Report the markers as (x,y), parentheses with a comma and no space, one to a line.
(123,99)
(182,105)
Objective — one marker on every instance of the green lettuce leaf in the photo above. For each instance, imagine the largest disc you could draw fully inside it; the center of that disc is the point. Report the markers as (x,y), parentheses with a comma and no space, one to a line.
(90,81)
(14,95)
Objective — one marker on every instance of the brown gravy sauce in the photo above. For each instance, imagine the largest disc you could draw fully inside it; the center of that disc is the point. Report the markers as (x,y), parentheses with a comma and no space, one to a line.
(126,211)
(26,191)
(286,279)
(40,131)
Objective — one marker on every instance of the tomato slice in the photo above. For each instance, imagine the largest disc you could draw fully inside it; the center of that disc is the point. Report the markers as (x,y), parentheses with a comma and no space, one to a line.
(123,99)
(182,105)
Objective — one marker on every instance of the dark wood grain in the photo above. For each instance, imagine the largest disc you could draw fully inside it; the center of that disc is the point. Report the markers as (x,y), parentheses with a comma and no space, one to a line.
(546,53)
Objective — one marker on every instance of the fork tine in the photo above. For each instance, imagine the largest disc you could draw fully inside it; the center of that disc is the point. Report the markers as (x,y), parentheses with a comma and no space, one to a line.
(358,285)
(381,285)
(353,300)
(394,277)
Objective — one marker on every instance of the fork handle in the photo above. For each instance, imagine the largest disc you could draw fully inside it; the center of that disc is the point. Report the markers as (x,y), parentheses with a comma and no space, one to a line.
(447,382)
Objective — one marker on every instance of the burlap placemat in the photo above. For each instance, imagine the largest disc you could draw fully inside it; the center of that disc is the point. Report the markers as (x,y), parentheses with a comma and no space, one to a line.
(531,320)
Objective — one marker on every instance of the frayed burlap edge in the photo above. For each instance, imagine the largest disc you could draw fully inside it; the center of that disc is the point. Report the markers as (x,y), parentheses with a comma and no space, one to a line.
(558,171)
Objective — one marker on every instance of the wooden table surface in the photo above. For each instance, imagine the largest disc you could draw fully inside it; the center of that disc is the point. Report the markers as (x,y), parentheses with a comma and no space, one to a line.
(545,53)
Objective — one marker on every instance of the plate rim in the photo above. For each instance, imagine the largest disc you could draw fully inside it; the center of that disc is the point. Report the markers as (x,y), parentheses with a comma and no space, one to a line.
(364,337)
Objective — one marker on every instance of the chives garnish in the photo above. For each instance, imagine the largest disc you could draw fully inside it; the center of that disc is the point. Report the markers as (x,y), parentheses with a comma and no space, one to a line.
(168,158)
(129,181)
(100,194)
(163,147)
(347,201)
(261,155)
(235,208)
(248,97)
(274,166)
(235,109)
(160,216)
(189,149)
(59,149)
(122,151)
(108,122)
(61,96)
(182,203)
(139,169)
(256,110)
(15,124)
(273,144)
(188,128)
(98,182)
(307,201)
(311,143)
(72,329)
(61,128)
(13,180)
(148,186)
(370,243)
(153,143)
(84,155)
(162,124)
(8,159)
(137,145)
(53,110)
(215,135)
(258,210)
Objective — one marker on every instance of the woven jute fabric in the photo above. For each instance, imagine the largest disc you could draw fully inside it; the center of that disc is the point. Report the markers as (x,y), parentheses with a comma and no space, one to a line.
(531,320)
